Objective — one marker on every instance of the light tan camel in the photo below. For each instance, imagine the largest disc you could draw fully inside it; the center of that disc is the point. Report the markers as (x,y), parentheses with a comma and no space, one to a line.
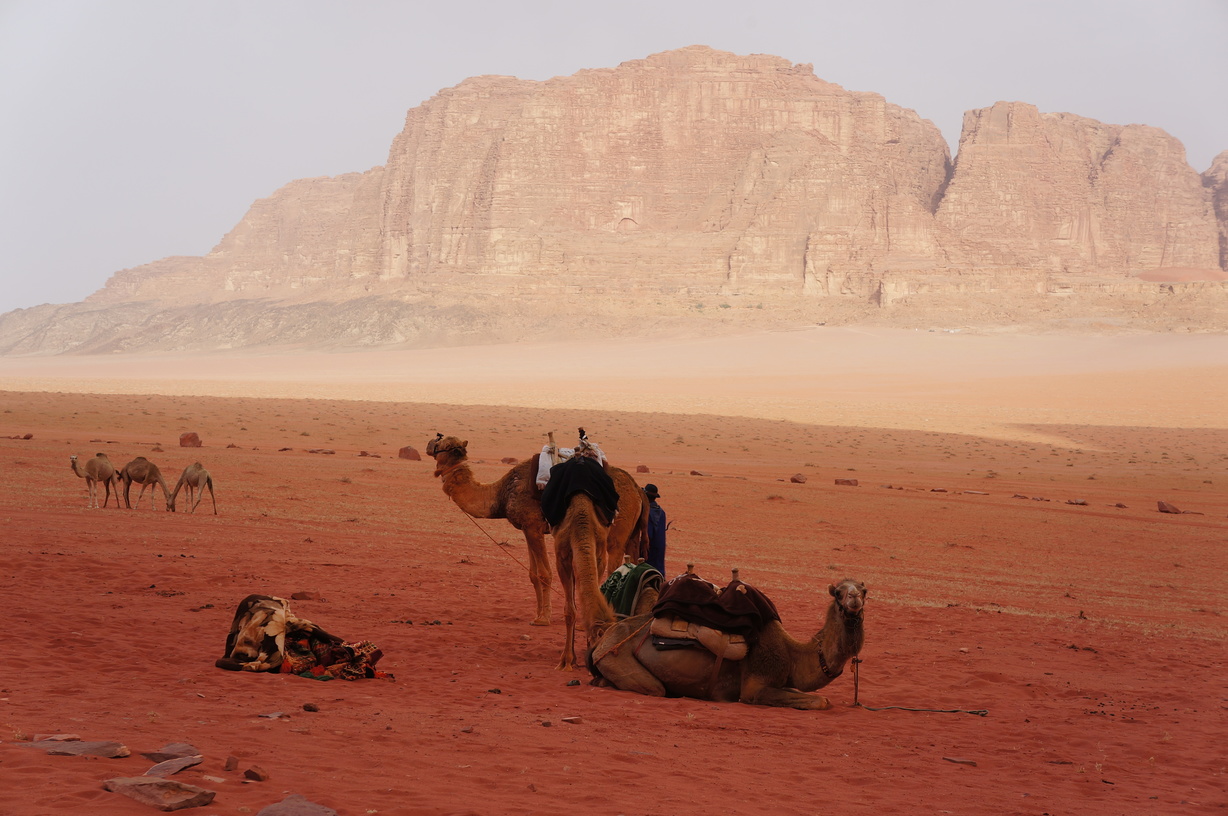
(577,553)
(778,669)
(146,474)
(515,497)
(98,469)
(195,478)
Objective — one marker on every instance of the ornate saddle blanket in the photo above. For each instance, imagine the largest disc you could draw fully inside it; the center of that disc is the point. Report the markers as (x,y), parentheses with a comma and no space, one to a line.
(627,584)
(737,608)
(265,636)
(578,475)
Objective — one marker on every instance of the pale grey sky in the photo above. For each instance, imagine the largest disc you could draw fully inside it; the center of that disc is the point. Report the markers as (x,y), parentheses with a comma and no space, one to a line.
(135,129)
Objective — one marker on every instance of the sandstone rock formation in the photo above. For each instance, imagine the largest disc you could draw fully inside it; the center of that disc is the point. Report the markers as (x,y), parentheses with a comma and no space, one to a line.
(698,187)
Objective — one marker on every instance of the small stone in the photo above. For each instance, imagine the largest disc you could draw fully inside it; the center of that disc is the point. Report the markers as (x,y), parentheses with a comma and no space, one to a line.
(642,469)
(296,805)
(190,439)
(232,763)
(164,794)
(256,774)
(847,482)
(310,707)
(1165,507)
(573,720)
(546,723)
(959,761)
(305,596)
(56,737)
(509,460)
(409,453)
(468,729)
(573,682)
(798,478)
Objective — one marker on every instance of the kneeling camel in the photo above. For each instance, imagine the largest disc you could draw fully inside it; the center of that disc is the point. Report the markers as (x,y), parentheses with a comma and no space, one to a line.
(778,669)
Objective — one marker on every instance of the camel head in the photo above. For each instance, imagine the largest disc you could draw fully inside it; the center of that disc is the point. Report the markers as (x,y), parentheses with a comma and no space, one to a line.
(850,596)
(447,450)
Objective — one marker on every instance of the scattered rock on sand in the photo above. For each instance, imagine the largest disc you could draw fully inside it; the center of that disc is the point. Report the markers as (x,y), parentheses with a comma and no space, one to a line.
(296,805)
(108,749)
(256,774)
(163,794)
(191,439)
(641,469)
(847,482)
(1165,507)
(173,766)
(409,453)
(173,750)
(509,460)
(798,478)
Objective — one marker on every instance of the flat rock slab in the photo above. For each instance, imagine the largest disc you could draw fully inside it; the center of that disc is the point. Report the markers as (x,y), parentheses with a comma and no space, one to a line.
(296,805)
(111,750)
(163,794)
(171,767)
(174,750)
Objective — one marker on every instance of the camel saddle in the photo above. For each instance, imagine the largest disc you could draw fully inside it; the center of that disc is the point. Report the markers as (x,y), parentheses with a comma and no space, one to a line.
(738,608)
(674,633)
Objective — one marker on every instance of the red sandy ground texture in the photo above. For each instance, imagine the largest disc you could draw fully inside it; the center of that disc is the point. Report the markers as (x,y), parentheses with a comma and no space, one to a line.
(1092,635)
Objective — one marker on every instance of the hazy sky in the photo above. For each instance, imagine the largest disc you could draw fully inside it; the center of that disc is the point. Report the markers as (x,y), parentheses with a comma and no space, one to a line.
(133,130)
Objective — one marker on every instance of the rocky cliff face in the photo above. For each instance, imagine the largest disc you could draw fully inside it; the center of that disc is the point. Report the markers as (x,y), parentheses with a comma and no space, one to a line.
(690,177)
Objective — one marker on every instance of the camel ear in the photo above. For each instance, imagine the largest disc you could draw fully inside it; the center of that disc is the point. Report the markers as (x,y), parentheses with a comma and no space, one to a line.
(465,444)
(831,590)
(864,591)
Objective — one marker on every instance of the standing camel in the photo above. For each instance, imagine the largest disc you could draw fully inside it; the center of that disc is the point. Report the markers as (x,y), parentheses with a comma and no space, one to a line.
(515,497)
(583,492)
(146,474)
(98,469)
(778,669)
(195,478)
(511,497)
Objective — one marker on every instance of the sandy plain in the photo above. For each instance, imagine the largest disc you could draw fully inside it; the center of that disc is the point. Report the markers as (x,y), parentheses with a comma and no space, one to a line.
(1093,635)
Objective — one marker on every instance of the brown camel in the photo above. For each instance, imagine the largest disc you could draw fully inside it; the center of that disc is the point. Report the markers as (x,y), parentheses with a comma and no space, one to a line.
(512,497)
(146,474)
(578,543)
(515,497)
(777,670)
(98,469)
(195,478)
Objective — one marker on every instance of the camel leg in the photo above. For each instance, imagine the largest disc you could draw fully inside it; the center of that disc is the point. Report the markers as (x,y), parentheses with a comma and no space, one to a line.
(92,488)
(567,581)
(141,495)
(213,498)
(756,692)
(539,570)
(621,669)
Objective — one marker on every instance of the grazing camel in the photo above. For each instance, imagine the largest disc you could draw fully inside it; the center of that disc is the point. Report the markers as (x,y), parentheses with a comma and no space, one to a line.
(146,474)
(98,469)
(777,670)
(195,478)
(578,544)
(515,497)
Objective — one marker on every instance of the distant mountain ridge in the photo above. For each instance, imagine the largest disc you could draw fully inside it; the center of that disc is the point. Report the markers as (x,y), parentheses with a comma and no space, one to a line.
(695,189)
